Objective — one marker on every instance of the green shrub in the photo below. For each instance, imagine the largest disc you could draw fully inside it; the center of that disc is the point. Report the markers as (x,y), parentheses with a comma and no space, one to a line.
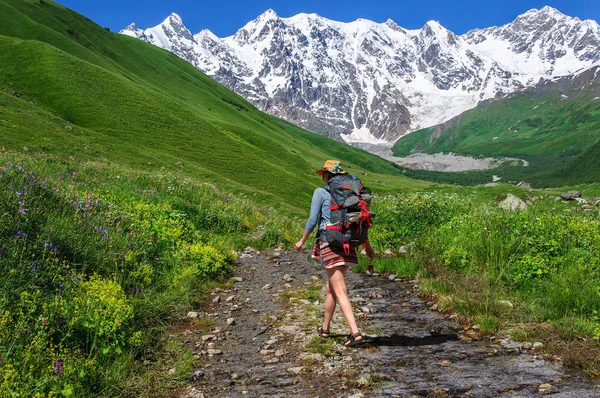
(403,218)
(100,314)
(208,262)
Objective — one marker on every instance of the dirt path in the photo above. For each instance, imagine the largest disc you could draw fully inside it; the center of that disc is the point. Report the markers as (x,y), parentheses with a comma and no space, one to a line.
(258,339)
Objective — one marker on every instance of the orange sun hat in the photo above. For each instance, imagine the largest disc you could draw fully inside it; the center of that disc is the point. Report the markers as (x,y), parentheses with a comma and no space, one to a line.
(332,166)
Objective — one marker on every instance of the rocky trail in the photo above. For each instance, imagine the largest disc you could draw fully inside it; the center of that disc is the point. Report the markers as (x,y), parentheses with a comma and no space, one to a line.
(258,338)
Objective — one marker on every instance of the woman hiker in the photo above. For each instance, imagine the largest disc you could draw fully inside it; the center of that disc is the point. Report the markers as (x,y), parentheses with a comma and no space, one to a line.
(336,262)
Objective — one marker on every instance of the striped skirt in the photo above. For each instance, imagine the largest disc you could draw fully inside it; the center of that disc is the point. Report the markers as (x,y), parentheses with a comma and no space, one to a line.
(333,257)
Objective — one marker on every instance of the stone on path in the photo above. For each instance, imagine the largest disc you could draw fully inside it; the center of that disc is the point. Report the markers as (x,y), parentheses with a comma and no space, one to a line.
(357,395)
(547,389)
(197,374)
(296,370)
(291,329)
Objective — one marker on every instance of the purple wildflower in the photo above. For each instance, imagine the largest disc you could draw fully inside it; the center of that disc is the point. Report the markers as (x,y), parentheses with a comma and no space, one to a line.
(20,168)
(138,290)
(20,234)
(58,367)
(34,267)
(52,247)
(23,211)
(8,164)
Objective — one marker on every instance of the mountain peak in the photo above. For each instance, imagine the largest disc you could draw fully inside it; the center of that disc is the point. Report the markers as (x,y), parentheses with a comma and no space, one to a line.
(207,32)
(174,18)
(394,26)
(434,24)
(132,27)
(550,11)
(545,13)
(269,14)
(257,28)
(433,28)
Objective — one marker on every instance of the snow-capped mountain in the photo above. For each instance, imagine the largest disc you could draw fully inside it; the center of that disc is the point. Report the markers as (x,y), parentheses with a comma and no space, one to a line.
(370,82)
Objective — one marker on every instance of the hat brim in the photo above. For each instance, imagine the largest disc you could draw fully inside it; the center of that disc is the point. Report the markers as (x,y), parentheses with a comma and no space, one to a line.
(323,170)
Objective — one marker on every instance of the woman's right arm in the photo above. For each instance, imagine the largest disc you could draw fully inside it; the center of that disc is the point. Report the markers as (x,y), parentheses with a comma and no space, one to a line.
(302,241)
(313,219)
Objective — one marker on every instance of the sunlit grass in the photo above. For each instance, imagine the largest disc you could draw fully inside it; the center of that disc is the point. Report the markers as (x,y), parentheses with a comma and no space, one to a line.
(98,260)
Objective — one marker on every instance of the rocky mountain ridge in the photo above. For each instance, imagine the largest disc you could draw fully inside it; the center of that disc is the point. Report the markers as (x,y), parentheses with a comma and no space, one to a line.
(372,83)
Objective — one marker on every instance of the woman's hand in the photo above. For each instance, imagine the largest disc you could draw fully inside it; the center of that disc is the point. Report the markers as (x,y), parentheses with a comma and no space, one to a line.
(369,250)
(302,241)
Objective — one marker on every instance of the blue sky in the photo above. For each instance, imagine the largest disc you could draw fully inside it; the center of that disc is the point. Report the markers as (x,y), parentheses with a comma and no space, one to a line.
(225,17)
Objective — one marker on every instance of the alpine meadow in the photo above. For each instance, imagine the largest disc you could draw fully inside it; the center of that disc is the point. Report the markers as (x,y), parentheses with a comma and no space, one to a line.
(130,182)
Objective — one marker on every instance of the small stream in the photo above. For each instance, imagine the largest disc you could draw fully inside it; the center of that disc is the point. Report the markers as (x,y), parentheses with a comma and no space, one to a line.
(409,350)
(421,353)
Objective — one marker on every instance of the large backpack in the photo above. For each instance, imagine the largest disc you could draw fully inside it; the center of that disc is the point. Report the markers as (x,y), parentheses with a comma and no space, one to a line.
(350,216)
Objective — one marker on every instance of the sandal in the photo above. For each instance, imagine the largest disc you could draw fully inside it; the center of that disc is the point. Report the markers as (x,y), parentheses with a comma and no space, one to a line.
(322,332)
(352,339)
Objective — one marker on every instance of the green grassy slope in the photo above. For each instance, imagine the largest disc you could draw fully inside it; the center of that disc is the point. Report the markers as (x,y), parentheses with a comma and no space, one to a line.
(89,93)
(552,126)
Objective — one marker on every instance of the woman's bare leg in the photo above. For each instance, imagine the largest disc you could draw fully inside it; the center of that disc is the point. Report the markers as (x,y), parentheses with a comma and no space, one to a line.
(330,299)
(337,284)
